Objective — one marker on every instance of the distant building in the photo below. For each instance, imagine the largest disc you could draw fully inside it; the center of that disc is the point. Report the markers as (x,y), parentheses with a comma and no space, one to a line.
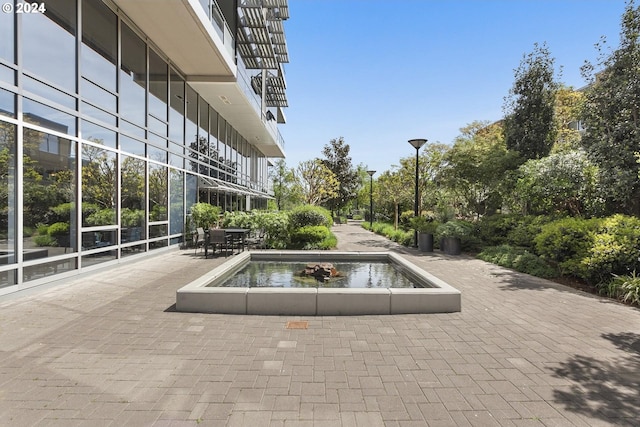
(116,116)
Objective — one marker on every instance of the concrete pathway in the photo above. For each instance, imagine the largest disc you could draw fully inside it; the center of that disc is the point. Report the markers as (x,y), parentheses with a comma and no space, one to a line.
(108,349)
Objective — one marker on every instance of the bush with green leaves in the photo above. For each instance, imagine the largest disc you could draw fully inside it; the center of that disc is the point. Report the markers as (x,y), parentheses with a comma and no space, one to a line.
(310,237)
(205,215)
(305,215)
(400,236)
(623,287)
(101,217)
(566,242)
(276,227)
(132,217)
(519,259)
(464,230)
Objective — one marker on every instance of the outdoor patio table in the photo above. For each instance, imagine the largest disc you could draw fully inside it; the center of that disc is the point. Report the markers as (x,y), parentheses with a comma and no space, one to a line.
(237,236)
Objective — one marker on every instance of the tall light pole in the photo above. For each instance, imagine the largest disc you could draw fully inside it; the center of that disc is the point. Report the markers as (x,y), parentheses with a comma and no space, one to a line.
(371,198)
(416,143)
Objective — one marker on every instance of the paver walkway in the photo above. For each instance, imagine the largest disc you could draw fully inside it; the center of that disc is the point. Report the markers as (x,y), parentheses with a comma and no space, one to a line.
(109,349)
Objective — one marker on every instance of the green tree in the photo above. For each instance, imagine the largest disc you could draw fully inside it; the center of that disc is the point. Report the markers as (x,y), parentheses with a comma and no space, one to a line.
(338,161)
(285,191)
(317,182)
(559,183)
(567,112)
(612,116)
(392,188)
(529,108)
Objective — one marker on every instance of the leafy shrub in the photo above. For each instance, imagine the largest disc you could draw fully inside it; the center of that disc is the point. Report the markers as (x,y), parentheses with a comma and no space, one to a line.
(205,215)
(276,227)
(518,259)
(132,217)
(615,249)
(526,229)
(303,216)
(62,212)
(101,217)
(463,230)
(624,287)
(309,237)
(493,230)
(400,236)
(405,219)
(566,242)
(58,229)
(44,240)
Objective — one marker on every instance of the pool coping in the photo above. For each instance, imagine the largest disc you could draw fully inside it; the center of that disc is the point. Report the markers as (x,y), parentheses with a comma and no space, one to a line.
(197,297)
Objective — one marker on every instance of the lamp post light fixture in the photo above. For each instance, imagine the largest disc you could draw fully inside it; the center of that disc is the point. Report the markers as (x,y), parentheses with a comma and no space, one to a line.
(371,198)
(417,144)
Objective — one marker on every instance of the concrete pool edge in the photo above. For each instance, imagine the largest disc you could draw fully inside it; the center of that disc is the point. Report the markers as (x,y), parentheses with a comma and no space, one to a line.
(197,297)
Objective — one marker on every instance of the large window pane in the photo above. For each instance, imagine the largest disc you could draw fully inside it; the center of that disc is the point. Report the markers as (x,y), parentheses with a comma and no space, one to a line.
(99,44)
(132,199)
(98,186)
(7,103)
(49,193)
(98,134)
(7,193)
(45,116)
(133,77)
(7,34)
(158,86)
(157,192)
(56,27)
(176,214)
(176,112)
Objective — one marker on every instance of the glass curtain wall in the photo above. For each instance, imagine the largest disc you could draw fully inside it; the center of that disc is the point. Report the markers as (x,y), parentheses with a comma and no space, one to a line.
(111,141)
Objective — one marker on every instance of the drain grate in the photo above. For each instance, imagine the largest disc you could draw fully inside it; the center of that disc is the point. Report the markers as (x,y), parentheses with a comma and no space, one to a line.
(297,324)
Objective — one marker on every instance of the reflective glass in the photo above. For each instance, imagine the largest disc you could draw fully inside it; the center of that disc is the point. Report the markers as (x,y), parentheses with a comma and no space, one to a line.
(133,77)
(98,96)
(132,129)
(132,146)
(158,196)
(191,190)
(176,214)
(98,134)
(99,169)
(97,113)
(159,230)
(40,31)
(7,34)
(46,91)
(157,126)
(159,244)
(99,44)
(98,258)
(42,115)
(176,112)
(49,205)
(191,124)
(7,75)
(132,199)
(39,271)
(8,278)
(157,154)
(7,193)
(7,103)
(158,86)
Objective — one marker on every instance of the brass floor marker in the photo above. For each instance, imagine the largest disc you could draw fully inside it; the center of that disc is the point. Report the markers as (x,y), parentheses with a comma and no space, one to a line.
(299,324)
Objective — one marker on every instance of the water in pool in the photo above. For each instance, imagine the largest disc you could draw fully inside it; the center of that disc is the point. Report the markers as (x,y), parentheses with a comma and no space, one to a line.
(287,275)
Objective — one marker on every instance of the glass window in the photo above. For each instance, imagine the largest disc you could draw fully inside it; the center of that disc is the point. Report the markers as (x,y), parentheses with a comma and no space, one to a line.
(132,199)
(8,278)
(176,214)
(98,239)
(98,96)
(157,126)
(7,75)
(158,86)
(132,146)
(7,34)
(46,91)
(213,133)
(158,193)
(191,132)
(7,103)
(7,193)
(98,134)
(49,211)
(176,112)
(45,270)
(159,230)
(48,117)
(40,31)
(97,113)
(99,168)
(94,259)
(99,44)
(157,154)
(133,77)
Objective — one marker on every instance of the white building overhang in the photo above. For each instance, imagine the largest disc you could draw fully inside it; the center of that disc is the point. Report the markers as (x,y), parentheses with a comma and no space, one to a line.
(183,31)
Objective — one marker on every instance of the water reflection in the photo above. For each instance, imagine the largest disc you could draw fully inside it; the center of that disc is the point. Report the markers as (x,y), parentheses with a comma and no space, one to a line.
(286,275)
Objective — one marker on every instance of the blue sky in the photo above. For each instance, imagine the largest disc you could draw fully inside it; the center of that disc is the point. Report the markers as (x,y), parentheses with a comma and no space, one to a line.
(379,73)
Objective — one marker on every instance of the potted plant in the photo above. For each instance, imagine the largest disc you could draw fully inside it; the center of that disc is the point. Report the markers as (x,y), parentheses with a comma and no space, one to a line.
(426,227)
(450,235)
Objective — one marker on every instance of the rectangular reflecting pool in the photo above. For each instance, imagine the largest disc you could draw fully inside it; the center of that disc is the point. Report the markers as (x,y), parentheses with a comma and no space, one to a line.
(269,283)
(349,274)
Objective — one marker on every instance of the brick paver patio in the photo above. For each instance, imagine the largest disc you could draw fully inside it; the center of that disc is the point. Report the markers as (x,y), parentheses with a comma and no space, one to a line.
(108,349)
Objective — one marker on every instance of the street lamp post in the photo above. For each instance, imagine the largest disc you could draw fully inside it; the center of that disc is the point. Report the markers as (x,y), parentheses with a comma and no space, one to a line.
(371,198)
(416,143)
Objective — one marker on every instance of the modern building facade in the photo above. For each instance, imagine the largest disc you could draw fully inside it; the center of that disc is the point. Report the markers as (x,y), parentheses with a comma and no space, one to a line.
(116,116)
